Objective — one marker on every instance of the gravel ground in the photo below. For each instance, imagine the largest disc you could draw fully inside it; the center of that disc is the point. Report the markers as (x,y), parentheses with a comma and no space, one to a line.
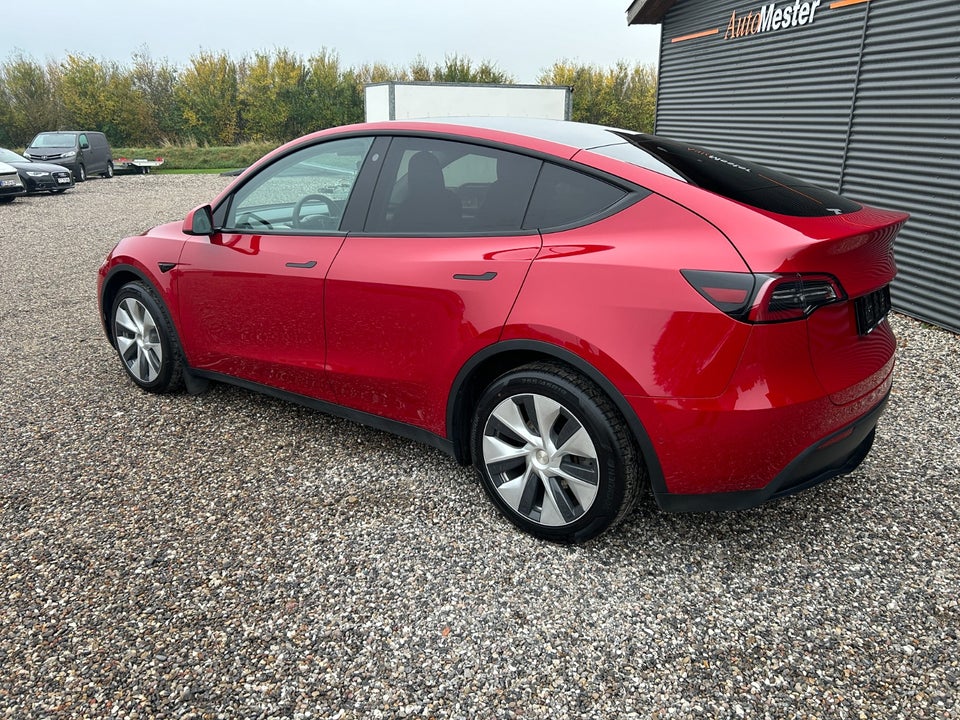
(233,556)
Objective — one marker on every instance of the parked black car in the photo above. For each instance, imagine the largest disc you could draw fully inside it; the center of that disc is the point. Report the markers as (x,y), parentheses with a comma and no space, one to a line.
(38,176)
(85,153)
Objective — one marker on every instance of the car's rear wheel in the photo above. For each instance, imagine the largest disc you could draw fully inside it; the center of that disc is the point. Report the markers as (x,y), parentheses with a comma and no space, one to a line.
(108,173)
(81,173)
(144,338)
(554,454)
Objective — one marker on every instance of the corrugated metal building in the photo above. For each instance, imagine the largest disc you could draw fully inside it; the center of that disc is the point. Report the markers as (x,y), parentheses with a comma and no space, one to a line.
(859,96)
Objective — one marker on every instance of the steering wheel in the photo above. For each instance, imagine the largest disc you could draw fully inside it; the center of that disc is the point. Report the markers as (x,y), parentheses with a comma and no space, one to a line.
(297,222)
(247,217)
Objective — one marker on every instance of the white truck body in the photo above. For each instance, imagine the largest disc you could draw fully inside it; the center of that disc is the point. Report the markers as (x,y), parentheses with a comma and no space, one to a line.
(411,100)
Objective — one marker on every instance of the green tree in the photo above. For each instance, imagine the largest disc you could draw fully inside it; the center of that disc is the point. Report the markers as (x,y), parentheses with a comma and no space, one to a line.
(100,95)
(269,92)
(28,101)
(334,94)
(271,97)
(207,94)
(419,70)
(460,69)
(157,82)
(622,96)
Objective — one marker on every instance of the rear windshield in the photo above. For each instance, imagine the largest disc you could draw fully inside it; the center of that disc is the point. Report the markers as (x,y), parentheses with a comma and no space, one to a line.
(731,177)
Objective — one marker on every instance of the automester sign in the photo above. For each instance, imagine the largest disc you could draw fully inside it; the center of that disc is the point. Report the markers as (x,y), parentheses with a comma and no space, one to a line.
(771,18)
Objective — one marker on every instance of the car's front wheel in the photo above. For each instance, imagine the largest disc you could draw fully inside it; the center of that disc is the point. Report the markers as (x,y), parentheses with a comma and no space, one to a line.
(81,174)
(144,338)
(554,454)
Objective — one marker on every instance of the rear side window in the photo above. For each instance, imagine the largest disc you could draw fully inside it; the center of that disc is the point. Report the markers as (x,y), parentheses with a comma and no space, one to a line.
(437,187)
(564,197)
(740,180)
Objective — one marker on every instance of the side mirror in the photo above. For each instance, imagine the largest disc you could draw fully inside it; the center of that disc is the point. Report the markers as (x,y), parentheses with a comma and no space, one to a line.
(84,146)
(199,221)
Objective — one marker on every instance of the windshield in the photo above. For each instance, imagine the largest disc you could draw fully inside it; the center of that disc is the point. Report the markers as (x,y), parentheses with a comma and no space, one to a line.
(10,156)
(54,140)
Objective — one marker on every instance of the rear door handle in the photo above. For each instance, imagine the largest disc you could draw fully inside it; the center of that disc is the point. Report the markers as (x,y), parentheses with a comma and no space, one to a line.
(308,264)
(489,275)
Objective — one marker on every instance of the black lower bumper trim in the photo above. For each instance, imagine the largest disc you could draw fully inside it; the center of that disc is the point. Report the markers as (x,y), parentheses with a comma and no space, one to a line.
(837,454)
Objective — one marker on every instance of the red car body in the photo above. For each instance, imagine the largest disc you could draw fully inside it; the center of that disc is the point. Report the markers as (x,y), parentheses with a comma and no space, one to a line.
(403,331)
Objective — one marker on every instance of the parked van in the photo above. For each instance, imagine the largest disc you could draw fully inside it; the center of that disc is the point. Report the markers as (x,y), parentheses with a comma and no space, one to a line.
(84,152)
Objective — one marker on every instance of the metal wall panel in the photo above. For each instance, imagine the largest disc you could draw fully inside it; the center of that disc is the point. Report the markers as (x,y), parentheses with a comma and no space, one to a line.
(863,100)
(780,98)
(904,148)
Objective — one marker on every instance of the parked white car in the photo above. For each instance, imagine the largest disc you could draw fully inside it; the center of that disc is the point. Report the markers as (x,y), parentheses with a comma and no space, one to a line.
(10,183)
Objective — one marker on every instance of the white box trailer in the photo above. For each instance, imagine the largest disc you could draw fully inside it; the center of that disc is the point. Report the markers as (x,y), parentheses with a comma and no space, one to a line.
(410,100)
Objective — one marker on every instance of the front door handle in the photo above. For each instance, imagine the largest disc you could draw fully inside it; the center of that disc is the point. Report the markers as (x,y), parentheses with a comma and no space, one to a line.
(308,264)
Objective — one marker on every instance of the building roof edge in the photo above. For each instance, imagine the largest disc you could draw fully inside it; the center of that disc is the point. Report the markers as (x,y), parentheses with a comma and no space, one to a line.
(648,12)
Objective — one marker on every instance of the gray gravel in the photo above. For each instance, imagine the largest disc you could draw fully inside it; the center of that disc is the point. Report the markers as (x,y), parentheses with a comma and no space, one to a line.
(233,556)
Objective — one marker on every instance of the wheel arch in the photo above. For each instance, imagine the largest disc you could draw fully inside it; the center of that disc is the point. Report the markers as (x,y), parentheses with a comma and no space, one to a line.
(113,281)
(116,278)
(494,360)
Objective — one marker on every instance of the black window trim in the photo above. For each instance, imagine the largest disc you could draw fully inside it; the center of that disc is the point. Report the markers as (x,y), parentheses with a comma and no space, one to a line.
(633,192)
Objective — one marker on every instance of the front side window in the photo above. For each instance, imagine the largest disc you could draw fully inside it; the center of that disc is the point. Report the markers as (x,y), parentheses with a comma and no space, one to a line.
(446,187)
(305,191)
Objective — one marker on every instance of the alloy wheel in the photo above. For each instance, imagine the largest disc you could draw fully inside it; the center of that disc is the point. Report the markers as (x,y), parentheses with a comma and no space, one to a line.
(541,459)
(138,340)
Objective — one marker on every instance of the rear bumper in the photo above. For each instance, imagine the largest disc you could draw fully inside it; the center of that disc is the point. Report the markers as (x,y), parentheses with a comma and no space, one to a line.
(774,430)
(837,454)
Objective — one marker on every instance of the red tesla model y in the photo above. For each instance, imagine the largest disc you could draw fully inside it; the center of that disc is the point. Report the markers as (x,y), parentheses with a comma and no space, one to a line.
(578,311)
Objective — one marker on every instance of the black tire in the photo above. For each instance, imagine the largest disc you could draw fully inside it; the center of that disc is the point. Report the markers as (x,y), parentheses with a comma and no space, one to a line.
(145,340)
(561,495)
(108,173)
(7,199)
(81,174)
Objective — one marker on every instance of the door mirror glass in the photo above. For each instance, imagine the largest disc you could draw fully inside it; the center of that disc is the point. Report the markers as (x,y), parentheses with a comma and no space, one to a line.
(199,221)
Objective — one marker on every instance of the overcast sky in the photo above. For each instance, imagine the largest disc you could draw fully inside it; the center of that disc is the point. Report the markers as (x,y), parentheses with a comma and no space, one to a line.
(522,37)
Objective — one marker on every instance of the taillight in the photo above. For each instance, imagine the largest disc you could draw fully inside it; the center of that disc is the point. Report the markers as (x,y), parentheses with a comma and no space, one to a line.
(766,298)
(729,292)
(794,297)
